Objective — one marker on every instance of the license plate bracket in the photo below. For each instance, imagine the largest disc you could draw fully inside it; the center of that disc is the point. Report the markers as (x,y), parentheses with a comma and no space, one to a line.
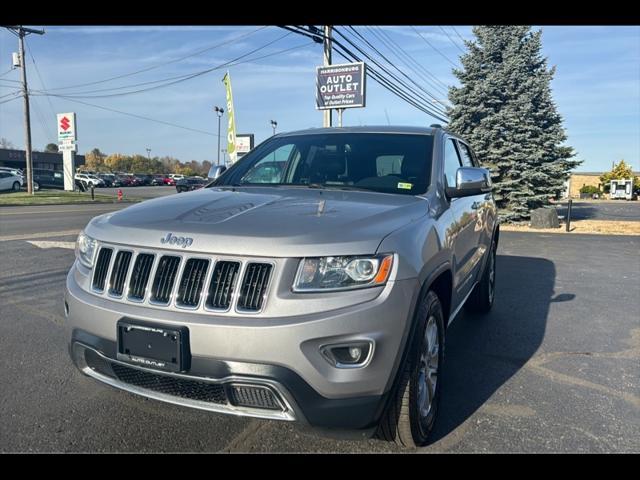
(153,346)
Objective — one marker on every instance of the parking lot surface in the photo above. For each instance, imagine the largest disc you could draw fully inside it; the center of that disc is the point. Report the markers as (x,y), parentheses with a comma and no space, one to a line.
(619,210)
(138,192)
(553,368)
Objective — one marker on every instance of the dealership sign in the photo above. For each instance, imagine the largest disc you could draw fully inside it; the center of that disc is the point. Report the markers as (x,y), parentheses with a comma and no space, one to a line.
(66,127)
(244,143)
(340,86)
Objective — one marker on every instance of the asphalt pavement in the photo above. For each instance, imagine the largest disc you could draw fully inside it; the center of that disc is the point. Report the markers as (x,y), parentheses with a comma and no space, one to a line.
(553,368)
(620,210)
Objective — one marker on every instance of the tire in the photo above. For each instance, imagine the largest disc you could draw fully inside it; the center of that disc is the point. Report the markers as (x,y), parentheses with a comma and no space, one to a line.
(36,186)
(16,186)
(404,421)
(483,295)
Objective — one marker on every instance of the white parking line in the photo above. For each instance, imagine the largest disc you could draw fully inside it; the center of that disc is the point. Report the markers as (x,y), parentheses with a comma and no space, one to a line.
(49,244)
(31,236)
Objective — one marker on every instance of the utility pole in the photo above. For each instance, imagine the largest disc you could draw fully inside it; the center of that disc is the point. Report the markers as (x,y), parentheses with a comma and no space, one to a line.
(21,32)
(220,112)
(326,119)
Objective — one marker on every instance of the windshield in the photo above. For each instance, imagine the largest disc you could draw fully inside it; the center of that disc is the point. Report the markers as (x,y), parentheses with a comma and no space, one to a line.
(382,162)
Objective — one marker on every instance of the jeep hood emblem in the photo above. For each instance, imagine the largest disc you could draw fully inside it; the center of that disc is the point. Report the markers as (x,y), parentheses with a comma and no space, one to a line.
(172,239)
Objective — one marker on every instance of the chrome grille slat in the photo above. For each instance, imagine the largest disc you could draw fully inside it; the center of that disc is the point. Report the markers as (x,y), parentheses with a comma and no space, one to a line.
(101,268)
(119,272)
(192,282)
(254,285)
(222,284)
(140,276)
(164,279)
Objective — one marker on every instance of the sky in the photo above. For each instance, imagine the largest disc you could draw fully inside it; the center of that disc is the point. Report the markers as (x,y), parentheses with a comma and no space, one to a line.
(596,85)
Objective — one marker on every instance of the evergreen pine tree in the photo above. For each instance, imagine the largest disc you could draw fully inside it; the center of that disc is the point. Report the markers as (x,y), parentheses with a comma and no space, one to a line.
(505,109)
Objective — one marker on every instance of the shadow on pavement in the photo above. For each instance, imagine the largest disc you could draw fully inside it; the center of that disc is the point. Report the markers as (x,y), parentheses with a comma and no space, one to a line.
(484,351)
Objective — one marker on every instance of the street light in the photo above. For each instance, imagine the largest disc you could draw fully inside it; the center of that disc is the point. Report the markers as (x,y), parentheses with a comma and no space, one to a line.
(274,124)
(219,111)
(149,153)
(224,153)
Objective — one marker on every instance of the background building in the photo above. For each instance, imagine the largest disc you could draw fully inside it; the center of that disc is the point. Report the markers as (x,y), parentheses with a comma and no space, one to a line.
(45,160)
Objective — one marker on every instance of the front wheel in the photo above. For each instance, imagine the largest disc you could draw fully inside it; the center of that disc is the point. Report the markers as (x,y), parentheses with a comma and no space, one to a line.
(16,186)
(36,186)
(411,413)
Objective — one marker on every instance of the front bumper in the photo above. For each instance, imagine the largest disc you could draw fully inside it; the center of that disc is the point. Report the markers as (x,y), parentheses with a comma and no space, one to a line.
(283,357)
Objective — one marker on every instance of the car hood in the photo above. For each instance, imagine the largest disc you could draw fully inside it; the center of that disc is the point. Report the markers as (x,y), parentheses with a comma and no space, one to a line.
(263,221)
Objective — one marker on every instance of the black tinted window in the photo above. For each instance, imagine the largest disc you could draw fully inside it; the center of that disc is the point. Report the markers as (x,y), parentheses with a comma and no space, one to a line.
(391,163)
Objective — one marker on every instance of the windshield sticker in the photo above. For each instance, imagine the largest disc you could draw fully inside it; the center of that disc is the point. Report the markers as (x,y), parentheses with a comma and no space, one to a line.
(405,186)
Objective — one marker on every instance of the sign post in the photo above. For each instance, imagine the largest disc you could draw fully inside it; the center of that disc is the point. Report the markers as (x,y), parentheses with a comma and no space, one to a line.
(67,137)
(340,87)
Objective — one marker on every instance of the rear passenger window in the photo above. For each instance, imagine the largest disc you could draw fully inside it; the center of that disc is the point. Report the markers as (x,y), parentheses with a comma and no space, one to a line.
(451,163)
(465,153)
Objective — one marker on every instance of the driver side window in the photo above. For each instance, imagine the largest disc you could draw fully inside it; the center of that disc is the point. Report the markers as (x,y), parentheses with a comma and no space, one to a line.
(451,163)
(270,169)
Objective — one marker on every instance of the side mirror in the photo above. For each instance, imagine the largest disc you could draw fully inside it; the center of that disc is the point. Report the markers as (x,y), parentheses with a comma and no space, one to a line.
(470,181)
(215,171)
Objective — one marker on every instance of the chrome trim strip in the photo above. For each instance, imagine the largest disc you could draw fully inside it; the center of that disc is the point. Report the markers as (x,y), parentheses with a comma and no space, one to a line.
(286,415)
(457,310)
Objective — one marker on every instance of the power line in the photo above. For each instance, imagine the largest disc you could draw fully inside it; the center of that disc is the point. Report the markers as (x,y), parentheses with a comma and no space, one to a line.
(53,112)
(142,117)
(393,46)
(384,82)
(182,78)
(428,102)
(8,71)
(450,39)
(434,48)
(10,99)
(458,34)
(161,64)
(377,77)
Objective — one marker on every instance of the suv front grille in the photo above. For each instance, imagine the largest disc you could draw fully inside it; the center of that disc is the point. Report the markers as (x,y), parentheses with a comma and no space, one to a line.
(101,268)
(222,284)
(254,286)
(148,277)
(192,281)
(165,277)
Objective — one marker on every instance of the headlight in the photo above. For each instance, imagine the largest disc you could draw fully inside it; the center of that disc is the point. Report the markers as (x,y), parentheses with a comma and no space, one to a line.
(342,273)
(85,249)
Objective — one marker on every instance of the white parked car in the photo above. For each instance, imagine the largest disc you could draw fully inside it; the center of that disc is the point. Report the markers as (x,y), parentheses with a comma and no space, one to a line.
(10,181)
(89,179)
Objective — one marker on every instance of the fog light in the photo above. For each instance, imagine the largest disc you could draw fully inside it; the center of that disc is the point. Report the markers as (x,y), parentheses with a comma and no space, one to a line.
(351,355)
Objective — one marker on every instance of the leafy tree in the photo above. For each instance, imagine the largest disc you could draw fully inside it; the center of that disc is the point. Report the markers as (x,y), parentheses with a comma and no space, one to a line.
(505,109)
(51,148)
(619,171)
(95,160)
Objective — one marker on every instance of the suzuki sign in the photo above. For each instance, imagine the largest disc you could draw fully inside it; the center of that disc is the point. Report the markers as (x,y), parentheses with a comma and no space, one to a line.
(67,127)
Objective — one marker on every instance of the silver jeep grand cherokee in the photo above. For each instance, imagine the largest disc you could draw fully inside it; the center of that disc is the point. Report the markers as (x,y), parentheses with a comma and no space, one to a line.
(312,281)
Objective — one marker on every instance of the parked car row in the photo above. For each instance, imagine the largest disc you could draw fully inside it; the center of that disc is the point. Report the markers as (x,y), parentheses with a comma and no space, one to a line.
(14,179)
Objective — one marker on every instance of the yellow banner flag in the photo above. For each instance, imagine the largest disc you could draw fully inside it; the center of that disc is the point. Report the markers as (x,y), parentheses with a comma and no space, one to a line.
(231,131)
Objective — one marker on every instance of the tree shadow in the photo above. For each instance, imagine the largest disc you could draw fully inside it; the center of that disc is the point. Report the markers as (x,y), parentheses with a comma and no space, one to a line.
(484,351)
